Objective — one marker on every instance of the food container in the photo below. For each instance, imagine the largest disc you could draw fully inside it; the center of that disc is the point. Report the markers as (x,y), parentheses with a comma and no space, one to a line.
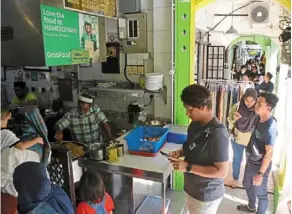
(112,154)
(155,123)
(121,150)
(177,134)
(97,152)
(137,143)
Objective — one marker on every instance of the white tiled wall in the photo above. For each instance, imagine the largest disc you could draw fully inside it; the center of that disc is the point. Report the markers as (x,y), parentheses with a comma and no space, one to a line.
(162,52)
(159,48)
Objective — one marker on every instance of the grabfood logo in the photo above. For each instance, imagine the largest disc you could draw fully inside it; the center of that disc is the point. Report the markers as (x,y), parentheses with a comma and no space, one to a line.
(58,55)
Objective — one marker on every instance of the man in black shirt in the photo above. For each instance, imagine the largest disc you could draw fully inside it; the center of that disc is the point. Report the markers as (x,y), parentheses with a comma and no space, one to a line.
(206,153)
(259,155)
(267,85)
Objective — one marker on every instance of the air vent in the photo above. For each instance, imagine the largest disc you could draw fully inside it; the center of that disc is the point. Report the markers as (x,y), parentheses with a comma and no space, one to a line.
(6,33)
(259,13)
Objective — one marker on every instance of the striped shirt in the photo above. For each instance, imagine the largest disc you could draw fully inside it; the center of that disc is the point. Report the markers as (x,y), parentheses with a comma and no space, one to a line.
(84,126)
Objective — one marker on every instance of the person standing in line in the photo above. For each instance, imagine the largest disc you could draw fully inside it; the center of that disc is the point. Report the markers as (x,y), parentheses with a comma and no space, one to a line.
(259,155)
(241,119)
(206,153)
(36,193)
(267,85)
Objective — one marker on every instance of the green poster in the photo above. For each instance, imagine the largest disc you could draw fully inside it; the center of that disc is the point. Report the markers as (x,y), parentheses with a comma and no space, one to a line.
(65,31)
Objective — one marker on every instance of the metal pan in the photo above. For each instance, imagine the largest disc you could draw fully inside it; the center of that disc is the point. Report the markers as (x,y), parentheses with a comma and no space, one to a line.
(75,156)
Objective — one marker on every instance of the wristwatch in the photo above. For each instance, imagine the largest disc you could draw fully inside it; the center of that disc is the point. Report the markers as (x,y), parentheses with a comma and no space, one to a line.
(261,174)
(189,168)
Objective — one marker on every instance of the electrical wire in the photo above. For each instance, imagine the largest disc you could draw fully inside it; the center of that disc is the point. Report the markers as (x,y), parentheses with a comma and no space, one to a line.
(214,27)
(151,99)
(125,71)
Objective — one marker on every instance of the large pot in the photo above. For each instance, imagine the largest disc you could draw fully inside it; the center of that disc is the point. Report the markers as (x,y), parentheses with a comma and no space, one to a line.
(97,152)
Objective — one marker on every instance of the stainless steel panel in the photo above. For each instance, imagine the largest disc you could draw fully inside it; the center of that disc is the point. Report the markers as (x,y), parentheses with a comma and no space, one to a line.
(26,47)
(125,171)
(139,44)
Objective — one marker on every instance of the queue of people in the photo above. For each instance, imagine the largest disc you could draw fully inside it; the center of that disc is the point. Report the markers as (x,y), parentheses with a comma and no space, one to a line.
(206,153)
(254,71)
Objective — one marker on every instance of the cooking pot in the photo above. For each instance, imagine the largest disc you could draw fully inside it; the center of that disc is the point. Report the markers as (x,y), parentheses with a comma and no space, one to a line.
(155,123)
(97,152)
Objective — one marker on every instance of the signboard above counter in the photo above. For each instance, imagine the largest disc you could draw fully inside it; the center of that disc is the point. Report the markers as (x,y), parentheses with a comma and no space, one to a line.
(99,7)
(66,32)
(107,8)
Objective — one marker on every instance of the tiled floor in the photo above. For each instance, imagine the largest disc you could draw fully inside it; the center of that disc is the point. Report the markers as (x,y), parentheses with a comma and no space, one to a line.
(232,198)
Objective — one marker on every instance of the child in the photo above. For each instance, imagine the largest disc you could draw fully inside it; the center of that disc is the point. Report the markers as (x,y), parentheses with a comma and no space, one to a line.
(93,196)
(8,138)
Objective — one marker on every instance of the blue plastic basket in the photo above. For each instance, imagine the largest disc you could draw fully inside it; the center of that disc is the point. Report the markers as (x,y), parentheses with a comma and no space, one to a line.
(137,144)
(176,138)
(177,134)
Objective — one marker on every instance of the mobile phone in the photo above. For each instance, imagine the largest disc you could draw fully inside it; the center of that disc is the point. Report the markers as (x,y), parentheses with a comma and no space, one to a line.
(164,154)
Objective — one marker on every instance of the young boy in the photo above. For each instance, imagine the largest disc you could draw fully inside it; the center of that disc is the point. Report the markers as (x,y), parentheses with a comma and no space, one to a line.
(8,138)
(259,155)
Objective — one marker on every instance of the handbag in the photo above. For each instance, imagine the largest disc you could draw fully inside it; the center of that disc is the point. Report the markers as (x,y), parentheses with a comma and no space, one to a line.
(242,138)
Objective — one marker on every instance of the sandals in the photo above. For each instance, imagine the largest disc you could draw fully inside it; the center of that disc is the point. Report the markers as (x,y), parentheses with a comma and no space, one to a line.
(245,208)
(233,184)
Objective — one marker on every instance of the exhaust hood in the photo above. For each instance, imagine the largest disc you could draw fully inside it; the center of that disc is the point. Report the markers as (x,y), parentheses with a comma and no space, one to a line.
(21,33)
(34,34)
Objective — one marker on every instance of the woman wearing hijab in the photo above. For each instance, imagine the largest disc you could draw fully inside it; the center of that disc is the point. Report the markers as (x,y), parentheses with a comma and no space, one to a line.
(36,193)
(241,120)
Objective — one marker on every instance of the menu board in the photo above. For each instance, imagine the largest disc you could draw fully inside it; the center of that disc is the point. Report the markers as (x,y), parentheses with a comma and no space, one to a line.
(97,7)
(69,37)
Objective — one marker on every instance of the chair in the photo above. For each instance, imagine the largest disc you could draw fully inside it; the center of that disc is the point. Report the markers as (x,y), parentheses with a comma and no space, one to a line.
(61,172)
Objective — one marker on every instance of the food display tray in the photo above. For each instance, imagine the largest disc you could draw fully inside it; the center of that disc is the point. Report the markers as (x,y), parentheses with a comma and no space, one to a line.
(146,154)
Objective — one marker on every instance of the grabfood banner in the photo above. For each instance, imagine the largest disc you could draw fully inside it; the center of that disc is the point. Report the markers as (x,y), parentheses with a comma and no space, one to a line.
(69,37)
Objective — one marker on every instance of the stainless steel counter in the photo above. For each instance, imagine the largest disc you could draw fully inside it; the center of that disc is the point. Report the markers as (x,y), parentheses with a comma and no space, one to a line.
(126,171)
(156,169)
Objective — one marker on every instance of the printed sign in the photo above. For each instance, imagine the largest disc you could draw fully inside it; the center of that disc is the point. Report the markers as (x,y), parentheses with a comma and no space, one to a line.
(65,31)
(100,7)
(80,56)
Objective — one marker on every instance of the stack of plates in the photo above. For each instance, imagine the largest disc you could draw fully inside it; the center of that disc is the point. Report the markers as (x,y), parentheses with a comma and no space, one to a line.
(153,81)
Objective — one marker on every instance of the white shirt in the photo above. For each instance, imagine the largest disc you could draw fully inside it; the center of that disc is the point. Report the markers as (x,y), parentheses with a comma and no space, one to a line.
(10,159)
(8,138)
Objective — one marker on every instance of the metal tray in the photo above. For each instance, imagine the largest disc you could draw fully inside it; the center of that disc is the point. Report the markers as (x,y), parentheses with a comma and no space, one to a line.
(63,143)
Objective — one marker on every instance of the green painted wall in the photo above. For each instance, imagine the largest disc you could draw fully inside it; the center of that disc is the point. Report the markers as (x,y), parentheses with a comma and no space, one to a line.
(183,56)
